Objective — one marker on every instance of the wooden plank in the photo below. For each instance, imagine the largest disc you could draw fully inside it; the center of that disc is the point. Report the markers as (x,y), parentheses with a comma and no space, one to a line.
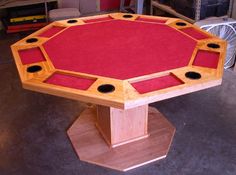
(103,123)
(87,96)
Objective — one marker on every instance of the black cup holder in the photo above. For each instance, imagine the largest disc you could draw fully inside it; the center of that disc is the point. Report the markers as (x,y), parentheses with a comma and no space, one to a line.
(34,69)
(193,75)
(106,88)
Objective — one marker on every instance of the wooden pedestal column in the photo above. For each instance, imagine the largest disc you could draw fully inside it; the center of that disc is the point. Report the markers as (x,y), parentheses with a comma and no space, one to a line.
(121,139)
(119,126)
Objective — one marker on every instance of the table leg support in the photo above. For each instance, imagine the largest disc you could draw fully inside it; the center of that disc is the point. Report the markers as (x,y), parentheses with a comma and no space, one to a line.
(119,126)
(126,139)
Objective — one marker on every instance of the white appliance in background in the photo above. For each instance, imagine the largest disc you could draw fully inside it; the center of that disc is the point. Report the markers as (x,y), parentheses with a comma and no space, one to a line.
(225,28)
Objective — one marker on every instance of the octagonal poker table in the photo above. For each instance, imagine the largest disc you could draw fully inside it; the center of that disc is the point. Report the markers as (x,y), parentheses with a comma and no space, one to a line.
(121,63)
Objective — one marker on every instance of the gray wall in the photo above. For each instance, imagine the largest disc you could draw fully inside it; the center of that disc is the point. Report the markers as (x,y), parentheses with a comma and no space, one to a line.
(2,12)
(234,10)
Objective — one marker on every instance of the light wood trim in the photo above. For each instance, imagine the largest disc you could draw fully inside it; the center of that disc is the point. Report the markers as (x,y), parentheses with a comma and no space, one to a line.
(95,17)
(154,17)
(172,24)
(47,68)
(63,23)
(49,62)
(194,55)
(87,96)
(120,16)
(167,93)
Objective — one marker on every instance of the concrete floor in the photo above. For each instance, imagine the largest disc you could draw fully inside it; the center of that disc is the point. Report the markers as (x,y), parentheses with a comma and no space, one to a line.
(33,126)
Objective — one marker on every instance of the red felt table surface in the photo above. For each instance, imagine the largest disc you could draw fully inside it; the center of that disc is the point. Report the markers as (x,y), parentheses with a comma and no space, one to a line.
(207,59)
(157,84)
(120,49)
(70,81)
(33,55)
(51,31)
(195,33)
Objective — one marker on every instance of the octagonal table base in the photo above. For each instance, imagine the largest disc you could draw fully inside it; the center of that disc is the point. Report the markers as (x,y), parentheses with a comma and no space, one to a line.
(91,145)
